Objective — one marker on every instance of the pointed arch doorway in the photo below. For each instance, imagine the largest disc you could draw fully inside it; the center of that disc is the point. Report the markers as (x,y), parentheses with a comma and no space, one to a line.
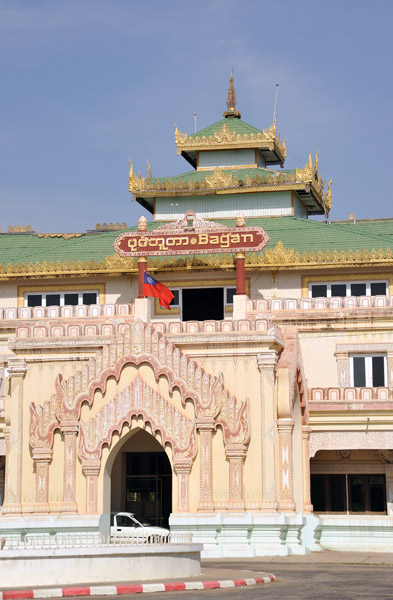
(141,480)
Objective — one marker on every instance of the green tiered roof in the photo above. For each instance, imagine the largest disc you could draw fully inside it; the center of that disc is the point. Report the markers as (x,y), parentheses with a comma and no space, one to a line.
(301,235)
(241,174)
(236,125)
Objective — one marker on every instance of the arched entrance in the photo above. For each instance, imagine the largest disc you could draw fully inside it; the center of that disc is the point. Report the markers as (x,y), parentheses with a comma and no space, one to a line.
(141,480)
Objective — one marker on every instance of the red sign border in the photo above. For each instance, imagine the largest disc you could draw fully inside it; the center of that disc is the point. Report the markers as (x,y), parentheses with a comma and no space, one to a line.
(170,232)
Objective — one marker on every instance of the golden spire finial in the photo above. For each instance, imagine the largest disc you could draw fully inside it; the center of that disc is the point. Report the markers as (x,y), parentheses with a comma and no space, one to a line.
(231,95)
(231,100)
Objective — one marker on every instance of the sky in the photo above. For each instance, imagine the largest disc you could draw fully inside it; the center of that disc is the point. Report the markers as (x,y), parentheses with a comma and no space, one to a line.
(86,84)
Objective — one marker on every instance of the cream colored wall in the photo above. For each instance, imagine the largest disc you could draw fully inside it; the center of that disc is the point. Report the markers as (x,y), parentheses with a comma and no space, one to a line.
(8,294)
(319,347)
(121,289)
(275,284)
(288,284)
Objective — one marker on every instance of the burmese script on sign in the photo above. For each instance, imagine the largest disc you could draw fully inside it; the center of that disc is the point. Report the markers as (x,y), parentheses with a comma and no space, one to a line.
(144,244)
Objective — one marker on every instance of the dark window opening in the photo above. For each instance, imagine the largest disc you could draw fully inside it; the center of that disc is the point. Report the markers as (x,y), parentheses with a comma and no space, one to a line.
(34,300)
(203,304)
(52,299)
(319,291)
(378,288)
(230,292)
(71,299)
(359,371)
(358,289)
(378,369)
(89,298)
(176,298)
(339,289)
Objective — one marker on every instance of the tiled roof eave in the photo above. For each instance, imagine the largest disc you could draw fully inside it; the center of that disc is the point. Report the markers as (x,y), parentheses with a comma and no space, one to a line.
(277,257)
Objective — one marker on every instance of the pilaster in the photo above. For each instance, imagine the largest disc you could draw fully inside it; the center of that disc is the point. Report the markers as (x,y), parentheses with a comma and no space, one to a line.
(235,454)
(42,458)
(91,471)
(285,430)
(182,470)
(205,426)
(343,379)
(307,506)
(14,439)
(69,431)
(267,362)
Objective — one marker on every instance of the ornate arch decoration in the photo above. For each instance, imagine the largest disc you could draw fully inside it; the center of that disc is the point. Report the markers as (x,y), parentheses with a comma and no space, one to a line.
(136,343)
(137,400)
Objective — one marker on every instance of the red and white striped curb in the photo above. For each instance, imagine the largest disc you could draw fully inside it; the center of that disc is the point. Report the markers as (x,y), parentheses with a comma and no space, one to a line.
(114,590)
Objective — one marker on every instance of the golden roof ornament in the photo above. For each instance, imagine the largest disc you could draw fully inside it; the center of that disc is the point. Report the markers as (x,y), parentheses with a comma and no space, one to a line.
(142,223)
(231,101)
(240,220)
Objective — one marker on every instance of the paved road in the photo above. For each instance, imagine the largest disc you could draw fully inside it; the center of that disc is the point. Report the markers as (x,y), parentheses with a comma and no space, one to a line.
(301,582)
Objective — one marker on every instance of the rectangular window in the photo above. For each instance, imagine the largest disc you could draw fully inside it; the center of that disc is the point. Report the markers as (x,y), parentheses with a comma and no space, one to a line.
(176,297)
(34,300)
(368,371)
(378,288)
(179,295)
(230,293)
(53,299)
(319,291)
(61,298)
(89,298)
(71,299)
(341,493)
(338,289)
(358,289)
(348,288)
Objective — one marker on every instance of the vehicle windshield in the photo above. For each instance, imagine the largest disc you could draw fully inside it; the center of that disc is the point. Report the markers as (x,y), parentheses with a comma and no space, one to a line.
(126,521)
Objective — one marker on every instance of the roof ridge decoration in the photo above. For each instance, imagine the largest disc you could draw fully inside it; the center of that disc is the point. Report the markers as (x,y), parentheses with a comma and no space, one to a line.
(224,179)
(227,139)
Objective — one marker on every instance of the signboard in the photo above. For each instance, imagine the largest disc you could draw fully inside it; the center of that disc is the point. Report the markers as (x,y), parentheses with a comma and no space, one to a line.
(191,236)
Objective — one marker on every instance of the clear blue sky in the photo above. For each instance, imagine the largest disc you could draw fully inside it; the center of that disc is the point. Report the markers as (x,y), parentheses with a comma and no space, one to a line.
(87,83)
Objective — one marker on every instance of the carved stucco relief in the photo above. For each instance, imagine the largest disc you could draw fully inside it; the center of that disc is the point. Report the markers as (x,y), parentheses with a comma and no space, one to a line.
(349,440)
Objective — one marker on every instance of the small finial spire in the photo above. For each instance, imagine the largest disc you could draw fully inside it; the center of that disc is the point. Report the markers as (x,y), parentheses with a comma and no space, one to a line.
(231,100)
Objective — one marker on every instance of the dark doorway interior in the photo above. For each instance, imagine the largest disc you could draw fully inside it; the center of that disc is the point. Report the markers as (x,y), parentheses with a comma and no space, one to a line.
(149,487)
(203,304)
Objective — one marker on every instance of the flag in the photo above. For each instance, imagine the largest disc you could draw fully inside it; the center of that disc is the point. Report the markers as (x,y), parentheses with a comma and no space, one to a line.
(158,290)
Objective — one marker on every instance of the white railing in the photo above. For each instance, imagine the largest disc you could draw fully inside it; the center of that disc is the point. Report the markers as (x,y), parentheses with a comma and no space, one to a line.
(56,312)
(260,305)
(87,540)
(275,304)
(350,394)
